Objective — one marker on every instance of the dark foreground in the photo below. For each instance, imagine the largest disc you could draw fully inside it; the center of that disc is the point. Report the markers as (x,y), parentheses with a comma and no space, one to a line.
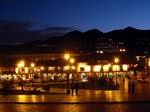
(102,107)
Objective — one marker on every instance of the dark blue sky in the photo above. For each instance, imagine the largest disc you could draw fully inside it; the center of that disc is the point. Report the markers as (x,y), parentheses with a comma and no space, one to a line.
(105,15)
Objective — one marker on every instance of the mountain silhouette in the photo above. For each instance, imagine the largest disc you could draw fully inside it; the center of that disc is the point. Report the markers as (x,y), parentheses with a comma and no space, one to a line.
(77,41)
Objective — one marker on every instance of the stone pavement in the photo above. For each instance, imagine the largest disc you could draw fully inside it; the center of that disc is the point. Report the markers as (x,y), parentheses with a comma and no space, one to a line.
(142,94)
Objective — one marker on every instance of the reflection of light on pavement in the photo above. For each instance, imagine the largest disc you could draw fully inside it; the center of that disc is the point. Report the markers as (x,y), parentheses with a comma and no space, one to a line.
(71,98)
(21,98)
(109,95)
(97,92)
(75,98)
(118,98)
(123,85)
(33,98)
(43,98)
(126,85)
(113,96)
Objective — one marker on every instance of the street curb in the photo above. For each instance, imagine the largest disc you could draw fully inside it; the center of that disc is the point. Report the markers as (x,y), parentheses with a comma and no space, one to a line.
(102,102)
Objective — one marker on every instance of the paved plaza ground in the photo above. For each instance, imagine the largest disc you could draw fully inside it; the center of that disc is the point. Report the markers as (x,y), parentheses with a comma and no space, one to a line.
(86,101)
(57,95)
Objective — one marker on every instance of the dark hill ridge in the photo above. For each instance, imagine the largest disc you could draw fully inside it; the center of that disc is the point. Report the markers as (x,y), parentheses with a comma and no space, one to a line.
(129,34)
(86,41)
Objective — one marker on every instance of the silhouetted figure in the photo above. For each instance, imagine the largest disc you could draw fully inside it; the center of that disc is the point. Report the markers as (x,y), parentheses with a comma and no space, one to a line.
(129,86)
(6,87)
(117,85)
(133,87)
(123,80)
(76,86)
(72,88)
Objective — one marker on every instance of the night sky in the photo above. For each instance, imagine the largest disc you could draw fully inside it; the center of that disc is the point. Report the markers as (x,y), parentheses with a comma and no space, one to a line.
(105,15)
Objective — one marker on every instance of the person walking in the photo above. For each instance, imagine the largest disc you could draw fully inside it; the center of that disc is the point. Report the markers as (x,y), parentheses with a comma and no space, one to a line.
(76,87)
(72,88)
(129,86)
(133,87)
(123,80)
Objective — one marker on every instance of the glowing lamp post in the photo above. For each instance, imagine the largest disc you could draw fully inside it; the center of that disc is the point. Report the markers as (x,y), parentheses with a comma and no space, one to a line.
(125,69)
(116,60)
(66,57)
(69,68)
(116,67)
(32,65)
(72,60)
(21,66)
(42,68)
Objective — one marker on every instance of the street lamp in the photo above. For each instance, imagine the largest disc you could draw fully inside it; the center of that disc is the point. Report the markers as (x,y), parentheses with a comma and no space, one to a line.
(42,72)
(125,69)
(116,61)
(67,56)
(20,66)
(71,61)
(32,65)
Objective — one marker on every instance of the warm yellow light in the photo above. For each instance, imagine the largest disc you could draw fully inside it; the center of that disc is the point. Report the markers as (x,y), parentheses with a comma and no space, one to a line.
(109,65)
(81,65)
(106,68)
(97,68)
(32,65)
(87,68)
(21,64)
(35,69)
(51,68)
(66,67)
(124,50)
(17,70)
(101,52)
(38,70)
(116,60)
(67,56)
(73,67)
(58,68)
(21,98)
(72,60)
(116,68)
(149,62)
(23,78)
(42,68)
(26,70)
(124,67)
